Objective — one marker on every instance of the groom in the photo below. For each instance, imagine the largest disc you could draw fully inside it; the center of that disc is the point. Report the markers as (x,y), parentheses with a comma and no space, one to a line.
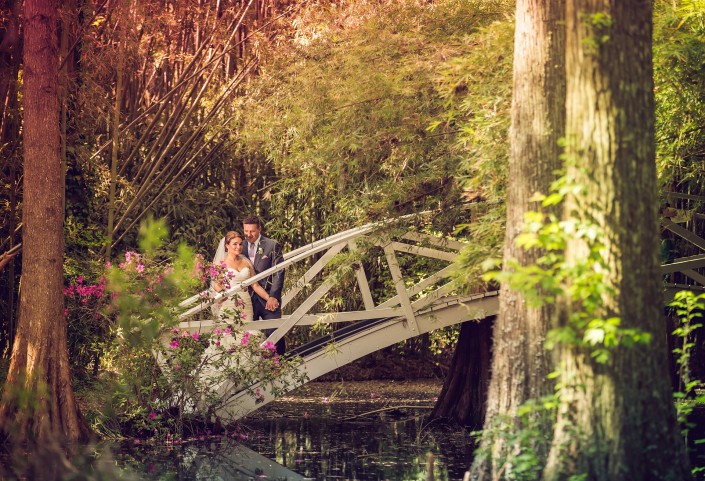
(265,253)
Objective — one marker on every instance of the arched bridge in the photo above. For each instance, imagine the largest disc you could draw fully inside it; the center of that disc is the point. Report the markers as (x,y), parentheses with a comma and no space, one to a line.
(415,306)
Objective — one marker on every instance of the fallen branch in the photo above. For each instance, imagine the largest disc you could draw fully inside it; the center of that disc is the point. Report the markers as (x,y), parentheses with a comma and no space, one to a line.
(390,408)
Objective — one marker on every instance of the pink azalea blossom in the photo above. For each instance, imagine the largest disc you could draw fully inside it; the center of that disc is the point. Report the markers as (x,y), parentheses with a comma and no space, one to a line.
(174,344)
(218,332)
(196,336)
(140,268)
(227,331)
(152,415)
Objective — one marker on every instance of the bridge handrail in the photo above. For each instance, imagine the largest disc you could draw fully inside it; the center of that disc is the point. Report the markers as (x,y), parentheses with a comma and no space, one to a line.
(290,258)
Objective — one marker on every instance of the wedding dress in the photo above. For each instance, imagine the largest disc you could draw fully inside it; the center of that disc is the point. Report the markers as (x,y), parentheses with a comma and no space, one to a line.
(237,302)
(228,334)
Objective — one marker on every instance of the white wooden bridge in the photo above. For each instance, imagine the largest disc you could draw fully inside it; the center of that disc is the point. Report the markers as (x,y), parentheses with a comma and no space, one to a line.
(415,308)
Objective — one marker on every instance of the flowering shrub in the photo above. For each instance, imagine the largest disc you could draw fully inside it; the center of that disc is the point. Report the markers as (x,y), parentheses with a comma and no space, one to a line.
(169,375)
(207,368)
(88,326)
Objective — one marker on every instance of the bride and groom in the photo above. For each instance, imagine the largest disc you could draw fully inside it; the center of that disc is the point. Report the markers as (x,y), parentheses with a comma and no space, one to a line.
(245,256)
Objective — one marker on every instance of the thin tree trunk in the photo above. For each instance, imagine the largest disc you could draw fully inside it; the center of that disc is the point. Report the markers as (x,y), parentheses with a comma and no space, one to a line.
(616,420)
(116,147)
(38,400)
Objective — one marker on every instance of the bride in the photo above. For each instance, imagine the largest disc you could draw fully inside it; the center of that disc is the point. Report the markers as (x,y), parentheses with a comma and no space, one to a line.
(239,269)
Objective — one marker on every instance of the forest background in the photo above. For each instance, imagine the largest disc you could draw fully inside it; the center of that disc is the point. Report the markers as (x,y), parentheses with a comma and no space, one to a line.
(317,116)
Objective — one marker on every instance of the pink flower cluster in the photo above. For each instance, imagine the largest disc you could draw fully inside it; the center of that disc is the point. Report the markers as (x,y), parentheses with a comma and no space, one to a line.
(85,291)
(175,344)
(216,273)
(132,257)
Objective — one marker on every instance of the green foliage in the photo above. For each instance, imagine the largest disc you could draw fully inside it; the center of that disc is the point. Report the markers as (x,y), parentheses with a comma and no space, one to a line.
(598,24)
(523,432)
(476,89)
(343,114)
(583,283)
(679,75)
(688,309)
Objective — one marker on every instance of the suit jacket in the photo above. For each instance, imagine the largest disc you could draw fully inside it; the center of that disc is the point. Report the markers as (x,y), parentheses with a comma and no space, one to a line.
(269,253)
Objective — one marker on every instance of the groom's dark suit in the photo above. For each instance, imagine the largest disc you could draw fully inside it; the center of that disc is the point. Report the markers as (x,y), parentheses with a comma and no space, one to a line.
(268,253)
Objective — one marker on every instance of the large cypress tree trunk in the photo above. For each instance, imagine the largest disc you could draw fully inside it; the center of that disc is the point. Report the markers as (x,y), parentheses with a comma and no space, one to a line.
(520,363)
(616,420)
(38,401)
(464,392)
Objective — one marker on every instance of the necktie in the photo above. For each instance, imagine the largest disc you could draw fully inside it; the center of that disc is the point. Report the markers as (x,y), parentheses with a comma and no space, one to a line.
(251,251)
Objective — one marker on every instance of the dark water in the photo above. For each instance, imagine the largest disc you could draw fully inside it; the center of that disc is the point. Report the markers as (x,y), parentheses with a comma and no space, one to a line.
(378,448)
(356,431)
(360,431)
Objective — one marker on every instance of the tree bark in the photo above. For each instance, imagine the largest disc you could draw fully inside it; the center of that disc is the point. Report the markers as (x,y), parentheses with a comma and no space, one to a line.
(520,363)
(616,420)
(38,401)
(462,399)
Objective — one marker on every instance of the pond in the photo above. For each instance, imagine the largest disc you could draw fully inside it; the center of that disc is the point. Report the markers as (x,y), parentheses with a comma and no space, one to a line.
(365,431)
(369,430)
(372,430)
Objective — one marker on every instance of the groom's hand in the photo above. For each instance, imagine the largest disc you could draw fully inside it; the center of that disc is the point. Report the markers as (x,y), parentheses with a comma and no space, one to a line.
(272,304)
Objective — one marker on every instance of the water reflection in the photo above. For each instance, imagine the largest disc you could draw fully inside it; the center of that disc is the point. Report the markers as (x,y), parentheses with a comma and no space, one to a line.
(381,447)
(218,459)
(352,434)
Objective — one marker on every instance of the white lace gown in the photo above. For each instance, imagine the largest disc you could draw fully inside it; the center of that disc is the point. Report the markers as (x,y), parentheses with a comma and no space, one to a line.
(238,301)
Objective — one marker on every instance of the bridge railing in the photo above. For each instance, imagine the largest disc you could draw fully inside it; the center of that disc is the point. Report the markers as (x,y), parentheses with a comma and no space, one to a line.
(684,272)
(388,237)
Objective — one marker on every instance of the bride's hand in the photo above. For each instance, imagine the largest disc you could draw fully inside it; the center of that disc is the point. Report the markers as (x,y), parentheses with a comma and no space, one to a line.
(272,304)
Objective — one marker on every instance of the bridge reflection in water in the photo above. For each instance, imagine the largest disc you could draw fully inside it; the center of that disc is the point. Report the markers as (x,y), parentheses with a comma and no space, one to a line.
(414,307)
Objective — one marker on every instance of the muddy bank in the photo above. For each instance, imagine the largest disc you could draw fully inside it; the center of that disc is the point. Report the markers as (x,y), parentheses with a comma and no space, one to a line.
(354,399)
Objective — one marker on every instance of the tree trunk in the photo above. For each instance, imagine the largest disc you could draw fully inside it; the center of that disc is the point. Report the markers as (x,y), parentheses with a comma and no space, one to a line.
(38,401)
(464,392)
(520,363)
(616,419)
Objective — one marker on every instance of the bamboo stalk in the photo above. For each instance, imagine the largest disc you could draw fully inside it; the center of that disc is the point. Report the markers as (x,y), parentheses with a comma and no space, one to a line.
(116,147)
(154,200)
(148,183)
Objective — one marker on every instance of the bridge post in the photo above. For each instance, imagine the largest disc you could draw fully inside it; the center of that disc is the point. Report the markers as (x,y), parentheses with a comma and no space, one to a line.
(362,280)
(400,286)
